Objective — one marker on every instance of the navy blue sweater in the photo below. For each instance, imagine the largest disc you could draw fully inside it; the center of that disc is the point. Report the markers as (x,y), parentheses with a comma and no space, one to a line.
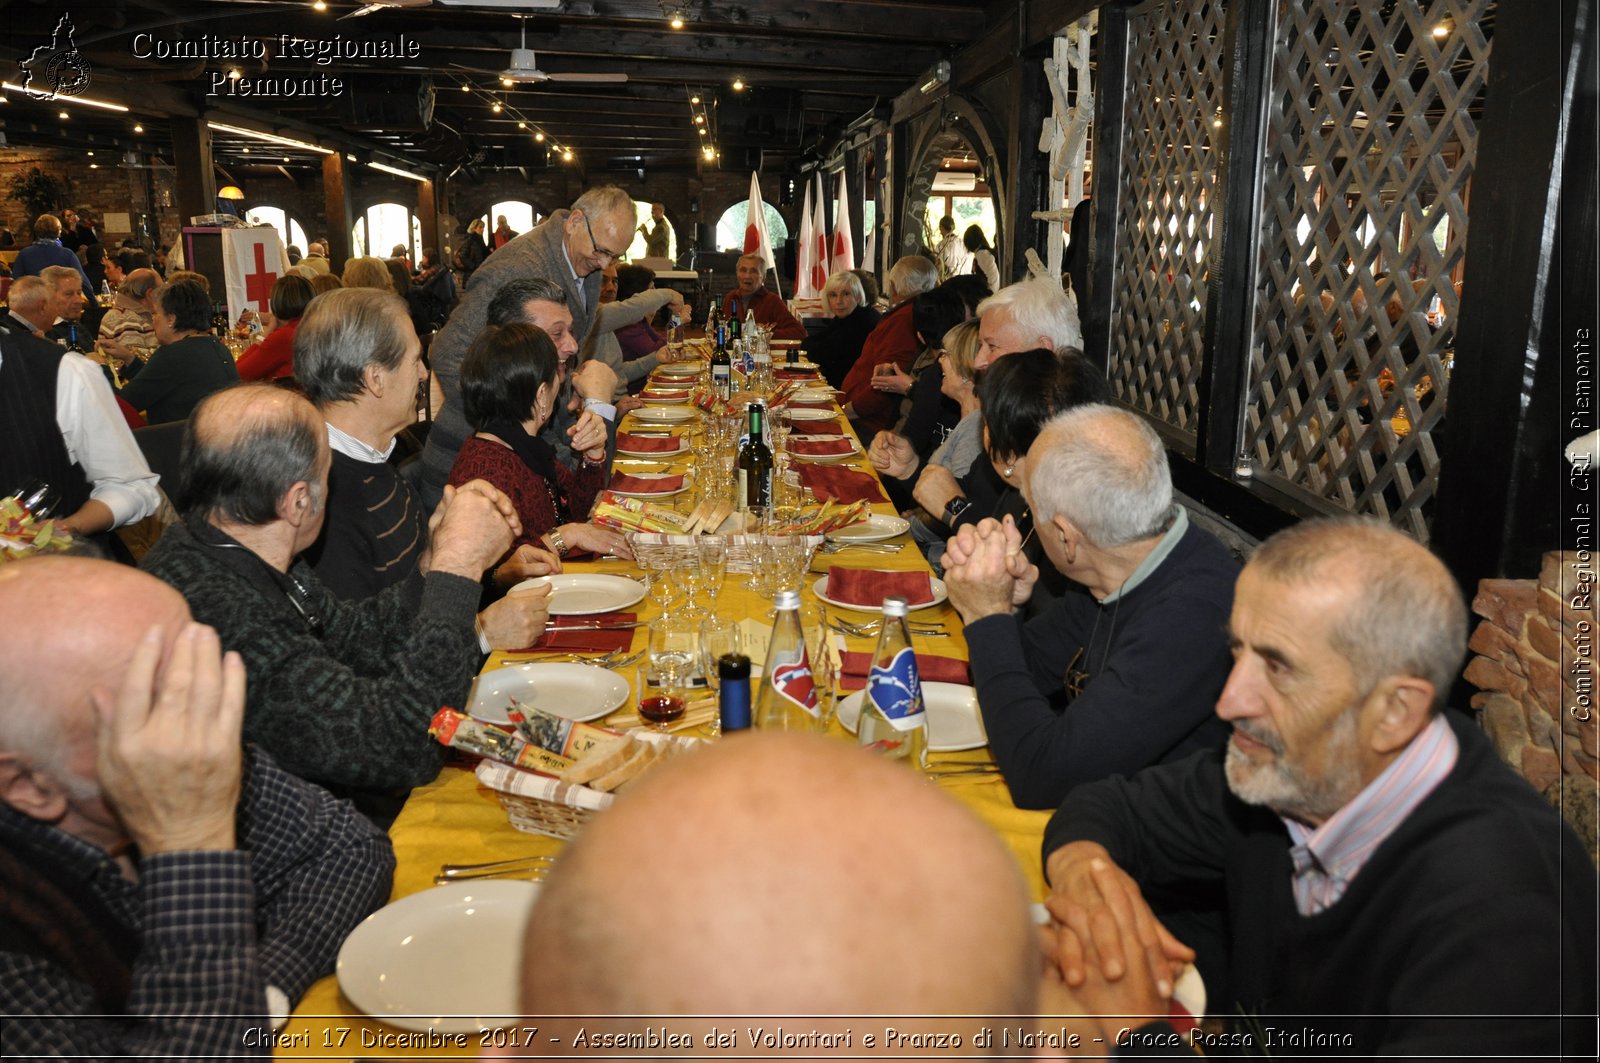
(1156,658)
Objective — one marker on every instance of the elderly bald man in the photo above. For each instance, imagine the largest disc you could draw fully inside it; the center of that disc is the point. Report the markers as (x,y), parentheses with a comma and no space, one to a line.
(162,891)
(569,248)
(796,875)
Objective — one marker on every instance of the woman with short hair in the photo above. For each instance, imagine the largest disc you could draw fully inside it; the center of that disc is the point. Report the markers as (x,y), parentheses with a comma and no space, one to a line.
(836,346)
(273,357)
(508,390)
(189,364)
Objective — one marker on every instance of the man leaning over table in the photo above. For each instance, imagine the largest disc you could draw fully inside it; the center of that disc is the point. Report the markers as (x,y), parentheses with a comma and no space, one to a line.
(1391,888)
(341,692)
(752,295)
(603,346)
(567,249)
(1123,670)
(164,892)
(352,352)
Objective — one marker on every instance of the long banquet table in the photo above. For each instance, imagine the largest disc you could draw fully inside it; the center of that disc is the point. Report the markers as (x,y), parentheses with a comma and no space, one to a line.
(454,819)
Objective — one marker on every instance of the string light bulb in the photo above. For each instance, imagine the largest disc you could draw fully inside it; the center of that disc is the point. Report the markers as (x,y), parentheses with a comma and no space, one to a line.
(694,100)
(566,155)
(466,88)
(319,5)
(496,107)
(138,128)
(738,84)
(522,125)
(539,136)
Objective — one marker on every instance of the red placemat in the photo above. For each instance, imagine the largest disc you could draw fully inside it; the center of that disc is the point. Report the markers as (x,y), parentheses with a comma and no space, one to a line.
(827,448)
(870,586)
(590,641)
(639,485)
(648,444)
(843,485)
(930,669)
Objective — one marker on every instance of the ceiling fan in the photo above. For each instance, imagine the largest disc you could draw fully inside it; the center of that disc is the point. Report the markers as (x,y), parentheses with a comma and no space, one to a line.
(383,5)
(524,68)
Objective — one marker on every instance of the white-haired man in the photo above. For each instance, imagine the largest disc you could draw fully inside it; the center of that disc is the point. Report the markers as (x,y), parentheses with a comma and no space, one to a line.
(568,248)
(751,296)
(1124,669)
(892,342)
(1390,888)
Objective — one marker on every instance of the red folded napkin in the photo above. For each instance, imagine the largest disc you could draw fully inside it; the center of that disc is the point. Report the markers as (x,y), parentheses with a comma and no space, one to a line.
(842,485)
(870,586)
(826,448)
(818,405)
(639,485)
(817,428)
(556,638)
(648,444)
(930,669)
(787,372)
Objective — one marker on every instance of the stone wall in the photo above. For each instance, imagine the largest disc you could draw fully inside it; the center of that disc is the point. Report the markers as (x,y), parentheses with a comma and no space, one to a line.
(1533,664)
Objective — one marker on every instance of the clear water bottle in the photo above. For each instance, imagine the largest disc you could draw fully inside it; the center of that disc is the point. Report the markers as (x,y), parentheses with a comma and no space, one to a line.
(893,719)
(788,697)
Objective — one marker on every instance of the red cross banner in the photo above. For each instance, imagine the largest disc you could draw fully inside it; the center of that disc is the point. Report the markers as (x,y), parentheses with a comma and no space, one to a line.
(254,260)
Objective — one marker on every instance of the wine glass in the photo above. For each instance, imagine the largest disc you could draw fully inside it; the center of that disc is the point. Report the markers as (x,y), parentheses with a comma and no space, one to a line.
(718,638)
(674,652)
(824,675)
(686,570)
(712,559)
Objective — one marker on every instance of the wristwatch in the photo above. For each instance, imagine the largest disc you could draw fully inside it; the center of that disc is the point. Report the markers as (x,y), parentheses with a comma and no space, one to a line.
(557,542)
(954,508)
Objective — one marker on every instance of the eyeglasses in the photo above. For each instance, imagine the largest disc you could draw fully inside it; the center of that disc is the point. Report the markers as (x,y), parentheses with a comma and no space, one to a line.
(610,256)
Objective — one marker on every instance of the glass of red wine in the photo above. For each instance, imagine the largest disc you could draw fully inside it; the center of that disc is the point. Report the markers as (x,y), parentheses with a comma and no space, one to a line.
(664,681)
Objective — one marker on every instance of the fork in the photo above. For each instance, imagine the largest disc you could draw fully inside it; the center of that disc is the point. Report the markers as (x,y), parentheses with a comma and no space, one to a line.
(867,630)
(605,660)
(878,548)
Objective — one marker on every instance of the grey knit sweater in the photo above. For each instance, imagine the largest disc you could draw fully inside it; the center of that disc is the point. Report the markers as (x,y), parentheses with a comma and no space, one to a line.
(348,709)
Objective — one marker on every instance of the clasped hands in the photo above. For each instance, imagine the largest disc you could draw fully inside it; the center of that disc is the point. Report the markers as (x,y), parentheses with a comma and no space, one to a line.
(985,569)
(1106,955)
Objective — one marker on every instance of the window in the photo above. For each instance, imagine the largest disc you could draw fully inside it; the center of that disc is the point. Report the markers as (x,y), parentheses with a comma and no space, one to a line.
(518,214)
(966,210)
(730,227)
(641,216)
(288,229)
(384,226)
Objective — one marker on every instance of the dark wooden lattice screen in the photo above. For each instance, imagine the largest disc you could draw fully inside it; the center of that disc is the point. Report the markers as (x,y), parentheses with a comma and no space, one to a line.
(1369,153)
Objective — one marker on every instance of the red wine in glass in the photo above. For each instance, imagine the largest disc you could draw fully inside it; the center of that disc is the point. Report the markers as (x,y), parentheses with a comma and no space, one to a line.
(661,708)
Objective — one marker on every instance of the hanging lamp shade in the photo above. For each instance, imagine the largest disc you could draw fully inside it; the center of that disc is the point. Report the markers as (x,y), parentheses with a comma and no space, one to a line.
(230,192)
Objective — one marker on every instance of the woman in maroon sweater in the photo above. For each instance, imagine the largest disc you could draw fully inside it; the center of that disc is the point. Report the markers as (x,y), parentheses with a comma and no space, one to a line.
(508,386)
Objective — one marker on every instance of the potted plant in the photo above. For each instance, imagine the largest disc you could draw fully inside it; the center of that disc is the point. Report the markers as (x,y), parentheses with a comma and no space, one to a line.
(39,192)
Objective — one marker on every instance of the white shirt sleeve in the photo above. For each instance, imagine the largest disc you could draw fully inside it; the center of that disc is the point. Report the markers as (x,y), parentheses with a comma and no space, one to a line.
(100,441)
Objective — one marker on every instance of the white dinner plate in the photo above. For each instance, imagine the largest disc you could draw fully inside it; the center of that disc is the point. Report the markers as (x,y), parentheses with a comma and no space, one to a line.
(855,448)
(666,414)
(582,593)
(680,489)
(683,448)
(683,369)
(571,690)
(874,529)
(446,959)
(664,400)
(939,595)
(954,722)
(801,366)
(812,415)
(814,395)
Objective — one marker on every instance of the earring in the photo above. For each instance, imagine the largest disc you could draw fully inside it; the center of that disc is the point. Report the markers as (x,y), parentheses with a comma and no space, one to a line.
(1008,471)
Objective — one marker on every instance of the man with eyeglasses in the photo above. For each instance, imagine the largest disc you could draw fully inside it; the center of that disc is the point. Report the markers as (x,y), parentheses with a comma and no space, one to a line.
(569,248)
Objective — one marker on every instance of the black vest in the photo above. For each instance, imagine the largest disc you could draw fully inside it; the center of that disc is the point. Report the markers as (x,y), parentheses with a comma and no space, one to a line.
(31,446)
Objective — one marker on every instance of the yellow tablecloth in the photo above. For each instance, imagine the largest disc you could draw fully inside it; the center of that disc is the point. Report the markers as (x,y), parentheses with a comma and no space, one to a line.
(455,820)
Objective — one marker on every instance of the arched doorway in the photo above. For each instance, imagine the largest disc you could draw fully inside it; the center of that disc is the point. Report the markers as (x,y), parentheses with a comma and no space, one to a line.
(957,132)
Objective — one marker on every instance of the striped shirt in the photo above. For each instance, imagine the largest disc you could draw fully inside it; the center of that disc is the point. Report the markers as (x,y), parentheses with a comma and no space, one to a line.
(1327,859)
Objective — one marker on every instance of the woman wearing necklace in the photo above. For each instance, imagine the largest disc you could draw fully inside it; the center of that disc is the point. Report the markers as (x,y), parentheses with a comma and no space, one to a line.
(189,364)
(508,387)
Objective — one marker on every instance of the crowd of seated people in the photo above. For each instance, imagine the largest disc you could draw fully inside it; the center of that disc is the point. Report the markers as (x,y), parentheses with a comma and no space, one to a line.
(1252,767)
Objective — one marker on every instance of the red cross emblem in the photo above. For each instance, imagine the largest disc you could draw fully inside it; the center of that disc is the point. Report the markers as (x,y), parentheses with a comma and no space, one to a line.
(258,285)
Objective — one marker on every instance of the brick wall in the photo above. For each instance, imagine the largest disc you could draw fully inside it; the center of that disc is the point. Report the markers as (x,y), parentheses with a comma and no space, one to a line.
(1533,664)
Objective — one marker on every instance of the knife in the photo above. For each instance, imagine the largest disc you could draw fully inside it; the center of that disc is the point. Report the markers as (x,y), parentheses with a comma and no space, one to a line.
(620,626)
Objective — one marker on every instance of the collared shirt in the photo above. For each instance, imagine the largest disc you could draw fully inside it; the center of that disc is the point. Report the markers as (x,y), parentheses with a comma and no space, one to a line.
(1327,859)
(99,441)
(1153,560)
(351,447)
(577,281)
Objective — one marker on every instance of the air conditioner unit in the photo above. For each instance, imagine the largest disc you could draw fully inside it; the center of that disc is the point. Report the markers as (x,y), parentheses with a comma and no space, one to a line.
(955,182)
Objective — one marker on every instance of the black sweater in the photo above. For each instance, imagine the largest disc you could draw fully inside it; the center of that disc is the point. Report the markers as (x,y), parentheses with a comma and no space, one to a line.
(1474,916)
(375,531)
(1156,659)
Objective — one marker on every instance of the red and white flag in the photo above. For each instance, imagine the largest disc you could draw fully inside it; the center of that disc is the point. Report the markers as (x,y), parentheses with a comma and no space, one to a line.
(756,240)
(805,286)
(821,266)
(843,251)
(252,261)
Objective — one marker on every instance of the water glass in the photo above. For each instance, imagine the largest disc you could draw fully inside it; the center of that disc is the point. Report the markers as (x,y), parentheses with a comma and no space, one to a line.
(718,638)
(824,676)
(713,561)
